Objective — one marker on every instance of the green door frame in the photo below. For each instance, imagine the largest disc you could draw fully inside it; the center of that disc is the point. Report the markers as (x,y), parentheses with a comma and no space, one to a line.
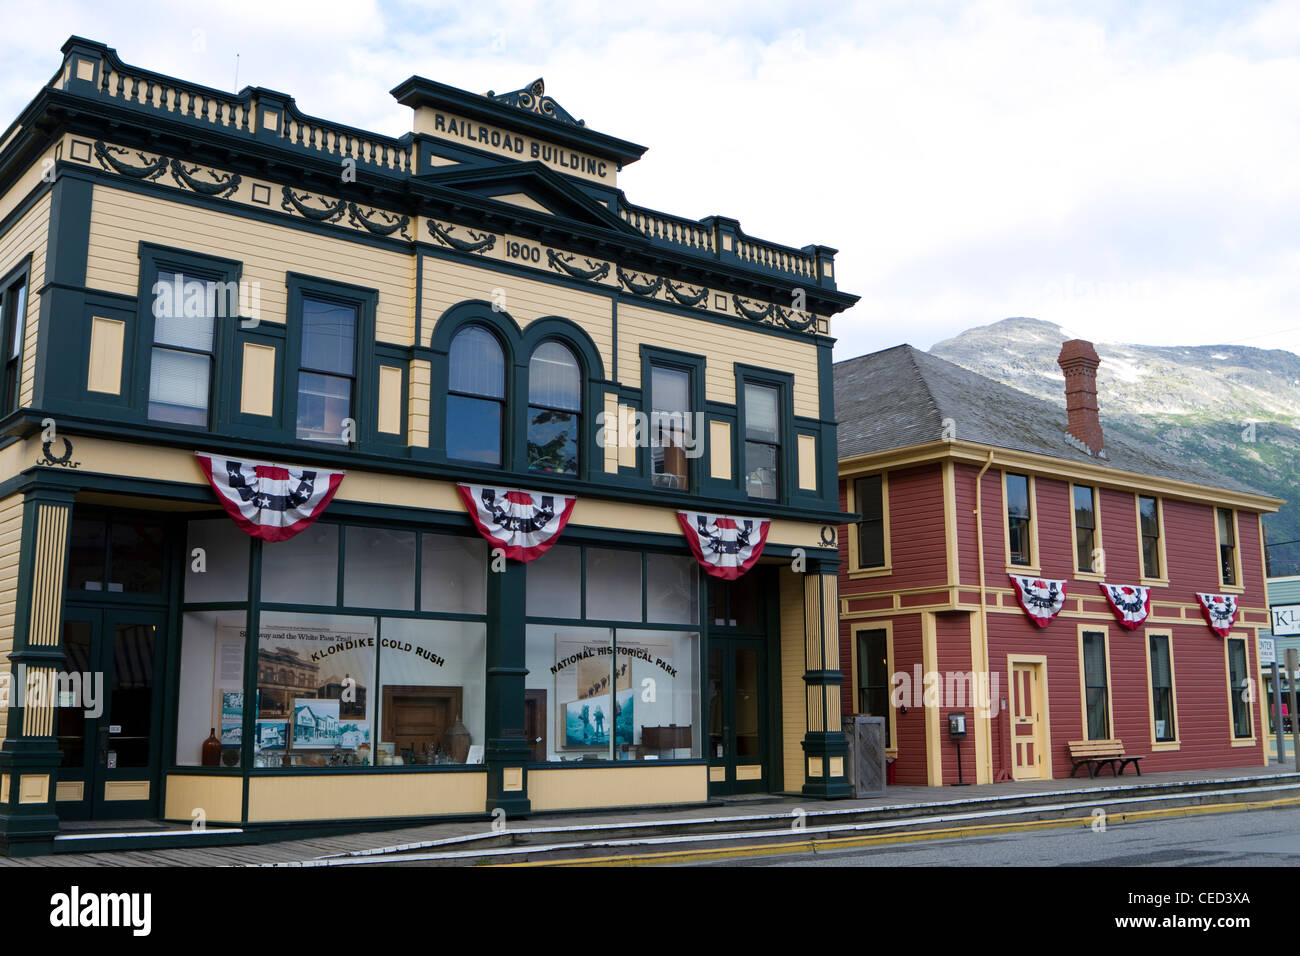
(93,771)
(765,641)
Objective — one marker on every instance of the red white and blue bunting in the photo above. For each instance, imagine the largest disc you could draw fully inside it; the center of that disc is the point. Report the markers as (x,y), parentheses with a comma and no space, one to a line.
(268,501)
(1042,598)
(1220,611)
(725,546)
(1130,603)
(523,524)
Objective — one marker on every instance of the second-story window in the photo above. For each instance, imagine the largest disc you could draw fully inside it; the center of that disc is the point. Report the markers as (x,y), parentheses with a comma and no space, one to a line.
(670,425)
(554,409)
(1227,547)
(762,441)
(1018,517)
(184,333)
(476,396)
(1149,525)
(327,371)
(1085,527)
(868,499)
(14,301)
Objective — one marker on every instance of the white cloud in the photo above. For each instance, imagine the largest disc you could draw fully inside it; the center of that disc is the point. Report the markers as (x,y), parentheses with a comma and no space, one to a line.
(1128,171)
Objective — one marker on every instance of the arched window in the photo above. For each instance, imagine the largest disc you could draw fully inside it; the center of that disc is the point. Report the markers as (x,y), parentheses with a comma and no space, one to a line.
(476,392)
(554,409)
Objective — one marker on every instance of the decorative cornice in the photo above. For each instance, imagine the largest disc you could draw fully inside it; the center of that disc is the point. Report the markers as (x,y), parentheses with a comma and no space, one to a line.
(351,216)
(647,289)
(476,243)
(533,99)
(328,213)
(563,262)
(687,298)
(107,156)
(389,222)
(221,184)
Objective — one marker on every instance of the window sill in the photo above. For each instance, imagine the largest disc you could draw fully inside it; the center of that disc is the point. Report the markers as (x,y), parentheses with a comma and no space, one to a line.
(1153,582)
(1244,742)
(871,572)
(1231,589)
(1166,745)
(1090,576)
(1024,571)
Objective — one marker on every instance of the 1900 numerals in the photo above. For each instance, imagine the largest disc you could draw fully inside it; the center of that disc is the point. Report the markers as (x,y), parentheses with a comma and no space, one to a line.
(525,253)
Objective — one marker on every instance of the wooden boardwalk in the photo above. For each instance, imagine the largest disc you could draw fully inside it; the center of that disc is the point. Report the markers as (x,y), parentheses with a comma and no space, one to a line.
(298,851)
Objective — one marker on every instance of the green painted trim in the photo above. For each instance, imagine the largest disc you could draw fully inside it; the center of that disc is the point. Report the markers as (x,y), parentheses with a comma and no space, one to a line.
(694,365)
(787,468)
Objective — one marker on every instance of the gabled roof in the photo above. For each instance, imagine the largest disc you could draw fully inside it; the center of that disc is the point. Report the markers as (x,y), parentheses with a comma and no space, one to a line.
(545,188)
(902,396)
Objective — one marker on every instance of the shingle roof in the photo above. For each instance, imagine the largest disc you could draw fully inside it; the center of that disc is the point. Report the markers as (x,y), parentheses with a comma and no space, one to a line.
(901,397)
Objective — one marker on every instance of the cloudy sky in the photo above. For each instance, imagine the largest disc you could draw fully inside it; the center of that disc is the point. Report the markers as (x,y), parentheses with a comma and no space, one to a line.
(1128,170)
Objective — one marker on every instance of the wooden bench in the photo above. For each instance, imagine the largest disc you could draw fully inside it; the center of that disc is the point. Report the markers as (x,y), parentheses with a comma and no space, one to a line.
(1095,754)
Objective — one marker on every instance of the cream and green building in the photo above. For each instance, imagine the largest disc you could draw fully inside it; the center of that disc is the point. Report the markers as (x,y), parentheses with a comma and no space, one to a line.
(186,270)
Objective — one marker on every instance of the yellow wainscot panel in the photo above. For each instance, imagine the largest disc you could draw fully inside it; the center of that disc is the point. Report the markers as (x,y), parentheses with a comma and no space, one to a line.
(107,337)
(126,790)
(220,798)
(34,788)
(582,788)
(749,773)
(390,400)
(808,462)
(257,393)
(275,798)
(70,790)
(720,450)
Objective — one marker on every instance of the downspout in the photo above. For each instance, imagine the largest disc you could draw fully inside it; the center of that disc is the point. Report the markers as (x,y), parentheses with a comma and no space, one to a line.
(984,618)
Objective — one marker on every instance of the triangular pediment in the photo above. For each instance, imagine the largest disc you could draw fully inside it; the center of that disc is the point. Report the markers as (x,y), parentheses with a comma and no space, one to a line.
(533,187)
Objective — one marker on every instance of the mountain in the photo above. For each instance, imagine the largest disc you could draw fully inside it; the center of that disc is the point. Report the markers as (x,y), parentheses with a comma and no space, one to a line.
(1232,404)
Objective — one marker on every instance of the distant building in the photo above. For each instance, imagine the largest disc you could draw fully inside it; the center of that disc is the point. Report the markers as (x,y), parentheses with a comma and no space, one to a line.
(961,483)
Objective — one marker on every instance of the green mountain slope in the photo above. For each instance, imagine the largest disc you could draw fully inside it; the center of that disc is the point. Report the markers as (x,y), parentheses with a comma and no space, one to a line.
(1230,404)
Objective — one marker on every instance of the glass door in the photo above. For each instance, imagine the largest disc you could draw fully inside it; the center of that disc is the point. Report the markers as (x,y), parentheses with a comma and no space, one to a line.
(108,719)
(737,716)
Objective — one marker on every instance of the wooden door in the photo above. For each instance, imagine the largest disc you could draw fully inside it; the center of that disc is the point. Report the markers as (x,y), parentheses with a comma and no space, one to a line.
(535,723)
(415,717)
(1028,730)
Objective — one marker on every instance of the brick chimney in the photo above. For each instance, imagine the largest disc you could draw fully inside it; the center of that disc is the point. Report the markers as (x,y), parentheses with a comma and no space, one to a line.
(1079,361)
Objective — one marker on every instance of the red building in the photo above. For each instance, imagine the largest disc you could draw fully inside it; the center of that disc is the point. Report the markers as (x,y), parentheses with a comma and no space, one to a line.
(981,507)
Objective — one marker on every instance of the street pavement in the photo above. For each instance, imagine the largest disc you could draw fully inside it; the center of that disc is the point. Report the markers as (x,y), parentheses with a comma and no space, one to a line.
(1233,839)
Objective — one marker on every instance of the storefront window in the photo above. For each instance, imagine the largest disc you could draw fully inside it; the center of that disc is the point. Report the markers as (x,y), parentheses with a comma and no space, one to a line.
(211,687)
(431,698)
(453,574)
(336,690)
(555,583)
(671,583)
(304,569)
(380,569)
(613,585)
(219,569)
(315,681)
(599,693)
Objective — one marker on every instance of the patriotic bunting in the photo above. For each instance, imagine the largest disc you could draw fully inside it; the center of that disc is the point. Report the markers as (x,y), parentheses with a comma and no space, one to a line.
(726,547)
(271,502)
(1220,611)
(1131,604)
(1041,598)
(523,524)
